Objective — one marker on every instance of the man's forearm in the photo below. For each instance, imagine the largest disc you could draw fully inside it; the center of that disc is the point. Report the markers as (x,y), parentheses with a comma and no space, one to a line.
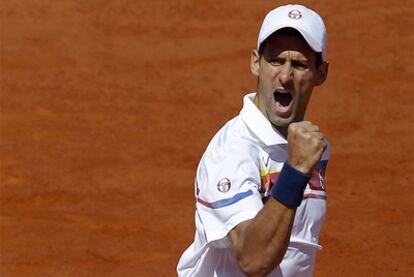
(261,243)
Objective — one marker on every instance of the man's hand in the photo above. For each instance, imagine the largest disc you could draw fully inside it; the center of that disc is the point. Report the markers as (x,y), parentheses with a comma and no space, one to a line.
(306,145)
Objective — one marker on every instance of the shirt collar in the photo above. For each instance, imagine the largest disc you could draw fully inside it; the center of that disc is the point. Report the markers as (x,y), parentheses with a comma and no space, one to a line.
(258,123)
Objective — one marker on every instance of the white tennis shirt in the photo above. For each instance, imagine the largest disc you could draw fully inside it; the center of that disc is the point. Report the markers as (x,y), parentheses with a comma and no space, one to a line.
(233,180)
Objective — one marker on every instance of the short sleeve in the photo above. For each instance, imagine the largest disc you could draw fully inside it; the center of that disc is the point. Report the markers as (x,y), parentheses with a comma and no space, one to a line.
(227,189)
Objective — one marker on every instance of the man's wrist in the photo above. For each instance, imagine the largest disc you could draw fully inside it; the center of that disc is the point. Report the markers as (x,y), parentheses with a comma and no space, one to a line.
(290,185)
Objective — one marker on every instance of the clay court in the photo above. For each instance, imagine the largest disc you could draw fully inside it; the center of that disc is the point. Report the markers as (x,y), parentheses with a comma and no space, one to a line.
(107,106)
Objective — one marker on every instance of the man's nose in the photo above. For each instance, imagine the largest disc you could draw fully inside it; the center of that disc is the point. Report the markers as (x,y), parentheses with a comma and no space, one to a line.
(286,73)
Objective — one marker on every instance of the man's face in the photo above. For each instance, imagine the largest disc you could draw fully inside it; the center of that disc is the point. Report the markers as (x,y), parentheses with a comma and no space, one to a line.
(286,77)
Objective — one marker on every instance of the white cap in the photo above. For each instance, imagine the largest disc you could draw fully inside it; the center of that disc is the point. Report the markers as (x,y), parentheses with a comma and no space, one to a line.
(299,17)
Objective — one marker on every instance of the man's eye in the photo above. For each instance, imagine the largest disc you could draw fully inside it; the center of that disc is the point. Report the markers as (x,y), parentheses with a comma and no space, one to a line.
(299,65)
(276,61)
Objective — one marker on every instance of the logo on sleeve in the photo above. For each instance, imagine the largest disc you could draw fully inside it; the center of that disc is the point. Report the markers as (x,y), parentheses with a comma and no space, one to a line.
(224,185)
(317,182)
(321,180)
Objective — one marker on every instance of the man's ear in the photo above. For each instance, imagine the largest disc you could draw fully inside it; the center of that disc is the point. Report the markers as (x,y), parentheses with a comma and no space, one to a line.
(321,73)
(255,62)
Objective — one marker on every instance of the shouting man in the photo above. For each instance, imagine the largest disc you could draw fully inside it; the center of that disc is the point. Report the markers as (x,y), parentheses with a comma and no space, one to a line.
(259,188)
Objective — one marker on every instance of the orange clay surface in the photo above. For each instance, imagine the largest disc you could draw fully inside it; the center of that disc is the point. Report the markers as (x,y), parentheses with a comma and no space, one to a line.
(107,106)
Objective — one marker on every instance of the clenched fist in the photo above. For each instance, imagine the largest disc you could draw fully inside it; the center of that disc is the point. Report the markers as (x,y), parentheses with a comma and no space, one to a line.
(306,145)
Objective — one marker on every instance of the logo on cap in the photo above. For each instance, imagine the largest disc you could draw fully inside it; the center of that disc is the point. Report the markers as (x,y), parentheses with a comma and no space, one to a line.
(295,14)
(224,185)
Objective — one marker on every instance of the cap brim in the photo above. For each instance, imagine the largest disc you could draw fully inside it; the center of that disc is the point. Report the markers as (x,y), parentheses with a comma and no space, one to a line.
(313,44)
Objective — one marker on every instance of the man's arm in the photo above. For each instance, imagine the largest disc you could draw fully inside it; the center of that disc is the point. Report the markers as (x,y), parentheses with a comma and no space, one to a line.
(261,243)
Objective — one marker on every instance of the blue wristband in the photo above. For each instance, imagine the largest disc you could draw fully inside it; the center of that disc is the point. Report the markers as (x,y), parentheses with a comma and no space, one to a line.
(290,185)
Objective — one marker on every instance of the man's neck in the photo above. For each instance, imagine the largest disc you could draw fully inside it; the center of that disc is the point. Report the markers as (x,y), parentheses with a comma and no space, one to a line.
(283,130)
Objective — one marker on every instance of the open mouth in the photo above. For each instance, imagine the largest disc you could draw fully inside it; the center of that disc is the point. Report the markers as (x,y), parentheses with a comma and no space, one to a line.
(283,98)
(283,103)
